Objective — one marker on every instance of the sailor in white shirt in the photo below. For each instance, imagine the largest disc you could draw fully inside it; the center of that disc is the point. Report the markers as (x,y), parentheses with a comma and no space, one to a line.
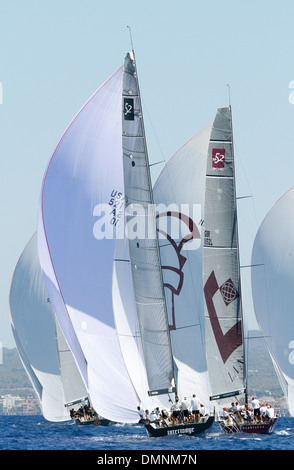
(270,412)
(195,407)
(141,413)
(153,416)
(256,408)
(175,409)
(224,414)
(185,409)
(263,410)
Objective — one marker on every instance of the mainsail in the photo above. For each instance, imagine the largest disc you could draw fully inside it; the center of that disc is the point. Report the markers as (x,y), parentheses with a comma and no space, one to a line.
(179,197)
(222,290)
(33,327)
(80,207)
(272,276)
(143,247)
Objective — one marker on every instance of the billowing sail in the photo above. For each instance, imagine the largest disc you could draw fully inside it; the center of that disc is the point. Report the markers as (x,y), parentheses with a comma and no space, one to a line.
(143,243)
(222,291)
(33,327)
(81,203)
(179,198)
(272,278)
(128,329)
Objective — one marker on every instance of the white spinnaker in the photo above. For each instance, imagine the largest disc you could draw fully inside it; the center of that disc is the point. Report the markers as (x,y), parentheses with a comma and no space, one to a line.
(180,190)
(79,208)
(33,326)
(272,279)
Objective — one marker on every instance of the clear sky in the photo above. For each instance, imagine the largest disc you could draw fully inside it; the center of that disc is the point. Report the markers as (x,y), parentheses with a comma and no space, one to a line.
(55,54)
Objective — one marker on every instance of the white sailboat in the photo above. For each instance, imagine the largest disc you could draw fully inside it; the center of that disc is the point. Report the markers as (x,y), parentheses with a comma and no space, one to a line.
(272,289)
(50,369)
(108,289)
(225,347)
(163,367)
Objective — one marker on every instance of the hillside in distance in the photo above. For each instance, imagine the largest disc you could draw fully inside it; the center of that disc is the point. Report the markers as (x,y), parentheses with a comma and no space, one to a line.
(262,379)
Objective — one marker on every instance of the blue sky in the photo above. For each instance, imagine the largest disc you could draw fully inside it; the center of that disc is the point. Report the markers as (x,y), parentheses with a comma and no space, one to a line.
(54,55)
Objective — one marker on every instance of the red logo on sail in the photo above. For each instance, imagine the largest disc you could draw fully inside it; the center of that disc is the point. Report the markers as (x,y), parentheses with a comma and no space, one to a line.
(194,233)
(228,291)
(218,159)
(232,339)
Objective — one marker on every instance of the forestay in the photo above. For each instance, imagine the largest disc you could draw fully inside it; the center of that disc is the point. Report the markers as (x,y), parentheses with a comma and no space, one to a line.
(222,290)
(272,277)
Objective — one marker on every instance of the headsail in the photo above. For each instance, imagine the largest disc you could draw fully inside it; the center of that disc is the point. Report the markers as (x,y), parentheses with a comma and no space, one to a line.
(80,206)
(73,389)
(143,246)
(222,291)
(179,198)
(272,277)
(33,327)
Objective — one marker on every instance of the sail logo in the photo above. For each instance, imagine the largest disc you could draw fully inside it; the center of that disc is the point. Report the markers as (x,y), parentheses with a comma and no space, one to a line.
(129,109)
(232,339)
(173,273)
(138,221)
(218,159)
(109,216)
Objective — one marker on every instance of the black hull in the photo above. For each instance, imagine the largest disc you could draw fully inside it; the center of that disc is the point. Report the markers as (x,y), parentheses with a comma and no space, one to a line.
(190,429)
(249,428)
(93,422)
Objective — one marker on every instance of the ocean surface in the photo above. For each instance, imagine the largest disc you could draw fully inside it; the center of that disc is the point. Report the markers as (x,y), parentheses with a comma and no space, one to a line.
(35,433)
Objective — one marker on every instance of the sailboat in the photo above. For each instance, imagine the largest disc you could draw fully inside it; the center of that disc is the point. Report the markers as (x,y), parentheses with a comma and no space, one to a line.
(224,323)
(148,276)
(272,289)
(42,348)
(106,285)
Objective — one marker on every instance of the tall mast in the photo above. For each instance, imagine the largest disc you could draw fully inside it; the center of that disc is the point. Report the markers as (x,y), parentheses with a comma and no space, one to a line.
(238,251)
(144,253)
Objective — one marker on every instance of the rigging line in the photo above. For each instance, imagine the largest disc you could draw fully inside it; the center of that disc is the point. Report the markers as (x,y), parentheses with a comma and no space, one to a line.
(237,154)
(156,137)
(229,92)
(131,37)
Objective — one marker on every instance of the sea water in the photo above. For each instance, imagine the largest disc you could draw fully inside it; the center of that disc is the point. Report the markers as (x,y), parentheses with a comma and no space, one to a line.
(35,433)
